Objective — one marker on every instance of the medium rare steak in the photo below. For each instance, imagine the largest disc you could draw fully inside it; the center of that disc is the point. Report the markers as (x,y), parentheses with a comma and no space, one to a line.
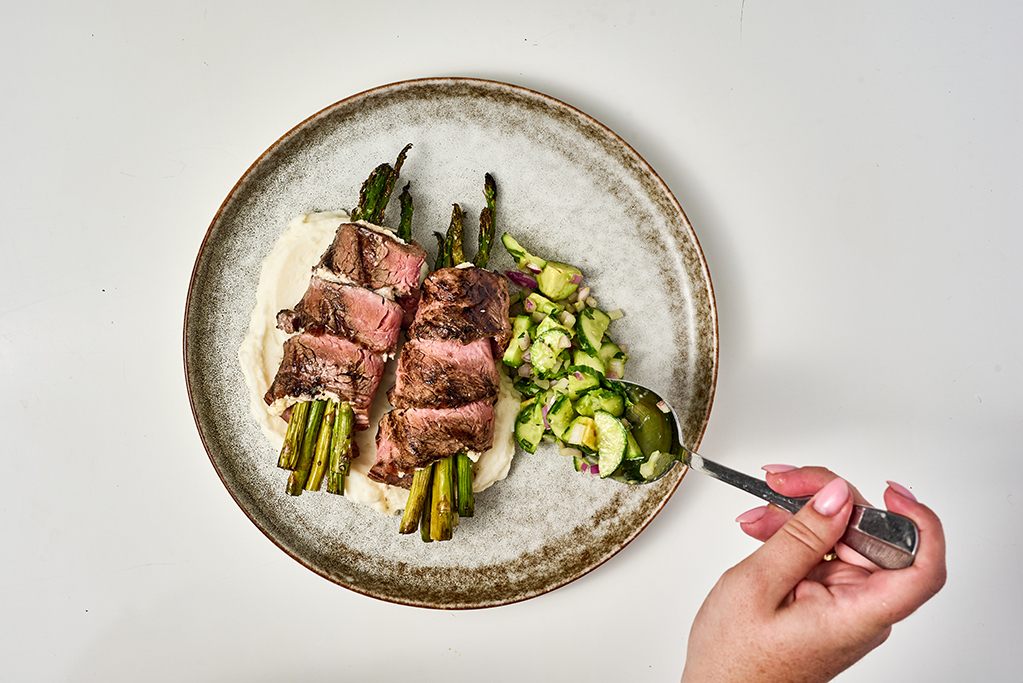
(350,311)
(412,438)
(318,364)
(435,373)
(375,259)
(463,304)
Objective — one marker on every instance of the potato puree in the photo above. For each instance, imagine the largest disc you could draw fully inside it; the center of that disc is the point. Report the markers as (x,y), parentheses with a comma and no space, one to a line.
(282,282)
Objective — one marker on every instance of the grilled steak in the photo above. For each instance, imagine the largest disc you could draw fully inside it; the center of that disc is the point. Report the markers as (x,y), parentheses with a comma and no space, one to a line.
(411,438)
(317,364)
(444,374)
(375,260)
(463,304)
(350,311)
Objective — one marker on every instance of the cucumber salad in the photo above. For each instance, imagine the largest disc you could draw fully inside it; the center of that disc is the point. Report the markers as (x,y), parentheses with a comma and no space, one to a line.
(566,363)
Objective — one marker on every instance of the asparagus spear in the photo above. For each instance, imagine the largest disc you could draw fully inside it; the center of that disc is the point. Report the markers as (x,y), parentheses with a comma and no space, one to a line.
(465,498)
(425,522)
(293,437)
(416,498)
(405,226)
(441,251)
(389,181)
(340,449)
(442,514)
(369,196)
(487,229)
(321,454)
(455,235)
(298,476)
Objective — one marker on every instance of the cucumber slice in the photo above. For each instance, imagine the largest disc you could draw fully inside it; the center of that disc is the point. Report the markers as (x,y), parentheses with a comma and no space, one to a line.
(650,427)
(529,426)
(547,352)
(520,330)
(600,399)
(560,415)
(657,465)
(590,326)
(580,357)
(632,449)
(609,350)
(541,304)
(550,323)
(612,442)
(521,256)
(580,378)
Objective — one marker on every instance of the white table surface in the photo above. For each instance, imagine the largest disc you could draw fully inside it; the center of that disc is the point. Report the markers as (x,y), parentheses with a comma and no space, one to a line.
(853,171)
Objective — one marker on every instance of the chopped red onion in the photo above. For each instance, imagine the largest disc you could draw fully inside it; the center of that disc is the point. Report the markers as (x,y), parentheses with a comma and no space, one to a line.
(521,279)
(524,342)
(564,342)
(578,375)
(533,268)
(525,370)
(576,278)
(663,407)
(546,424)
(529,305)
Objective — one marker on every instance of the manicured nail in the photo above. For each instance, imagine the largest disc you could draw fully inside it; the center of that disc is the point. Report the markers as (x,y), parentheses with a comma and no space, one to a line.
(778,469)
(750,516)
(830,499)
(902,491)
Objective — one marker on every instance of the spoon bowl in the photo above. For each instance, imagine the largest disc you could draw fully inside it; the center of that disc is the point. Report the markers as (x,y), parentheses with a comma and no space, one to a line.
(885,538)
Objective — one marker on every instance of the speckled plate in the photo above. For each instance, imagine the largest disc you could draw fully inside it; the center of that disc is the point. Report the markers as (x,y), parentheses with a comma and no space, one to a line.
(570,189)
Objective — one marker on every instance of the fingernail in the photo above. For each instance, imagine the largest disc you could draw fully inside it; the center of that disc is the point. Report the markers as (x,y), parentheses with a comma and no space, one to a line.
(830,499)
(778,469)
(750,516)
(902,491)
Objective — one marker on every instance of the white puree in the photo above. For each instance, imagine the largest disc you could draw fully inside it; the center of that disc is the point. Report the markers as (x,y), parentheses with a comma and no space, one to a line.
(282,282)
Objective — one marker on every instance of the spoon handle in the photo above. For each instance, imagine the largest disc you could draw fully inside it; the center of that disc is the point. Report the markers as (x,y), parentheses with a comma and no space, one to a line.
(885,538)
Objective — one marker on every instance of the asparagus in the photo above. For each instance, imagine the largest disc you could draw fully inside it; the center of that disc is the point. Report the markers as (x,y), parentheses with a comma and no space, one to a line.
(465,498)
(425,522)
(389,181)
(456,233)
(376,190)
(405,226)
(321,454)
(293,437)
(340,449)
(416,498)
(487,229)
(442,514)
(298,476)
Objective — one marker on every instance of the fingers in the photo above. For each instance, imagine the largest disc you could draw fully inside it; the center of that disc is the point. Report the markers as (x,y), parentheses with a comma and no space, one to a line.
(800,544)
(797,482)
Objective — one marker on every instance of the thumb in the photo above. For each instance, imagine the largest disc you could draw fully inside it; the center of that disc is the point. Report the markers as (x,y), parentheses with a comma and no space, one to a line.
(802,542)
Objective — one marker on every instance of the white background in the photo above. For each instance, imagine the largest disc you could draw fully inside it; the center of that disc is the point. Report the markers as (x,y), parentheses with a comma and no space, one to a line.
(853,171)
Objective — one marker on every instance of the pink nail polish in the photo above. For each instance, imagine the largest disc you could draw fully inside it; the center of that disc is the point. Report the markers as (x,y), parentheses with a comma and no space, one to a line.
(830,499)
(778,469)
(902,491)
(750,516)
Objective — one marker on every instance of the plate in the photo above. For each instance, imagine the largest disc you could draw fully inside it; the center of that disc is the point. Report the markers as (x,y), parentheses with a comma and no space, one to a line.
(569,189)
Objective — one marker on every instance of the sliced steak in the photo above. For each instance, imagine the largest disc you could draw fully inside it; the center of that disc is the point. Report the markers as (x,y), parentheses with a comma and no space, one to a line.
(319,364)
(350,311)
(463,304)
(435,373)
(374,259)
(412,438)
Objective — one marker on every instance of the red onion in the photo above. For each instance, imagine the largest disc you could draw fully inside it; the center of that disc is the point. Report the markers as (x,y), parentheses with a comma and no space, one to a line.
(521,279)
(533,268)
(576,278)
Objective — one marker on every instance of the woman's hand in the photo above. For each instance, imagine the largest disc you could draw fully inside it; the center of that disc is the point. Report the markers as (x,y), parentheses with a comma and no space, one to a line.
(784,614)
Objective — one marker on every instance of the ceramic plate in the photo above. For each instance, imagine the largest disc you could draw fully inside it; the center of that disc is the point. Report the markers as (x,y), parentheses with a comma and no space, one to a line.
(569,189)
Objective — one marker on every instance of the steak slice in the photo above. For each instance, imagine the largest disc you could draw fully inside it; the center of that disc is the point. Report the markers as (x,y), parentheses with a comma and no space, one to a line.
(375,259)
(316,365)
(411,438)
(434,373)
(463,304)
(346,310)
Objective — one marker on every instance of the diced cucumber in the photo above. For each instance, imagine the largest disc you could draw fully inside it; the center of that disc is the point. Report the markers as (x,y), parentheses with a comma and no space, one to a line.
(547,352)
(541,304)
(657,465)
(550,323)
(582,432)
(600,399)
(529,426)
(580,357)
(590,326)
(523,257)
(632,450)
(612,442)
(609,350)
(580,378)
(520,330)
(556,280)
(649,426)
(560,415)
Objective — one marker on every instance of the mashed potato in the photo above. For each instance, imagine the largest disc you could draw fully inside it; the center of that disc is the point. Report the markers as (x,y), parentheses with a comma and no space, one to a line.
(282,282)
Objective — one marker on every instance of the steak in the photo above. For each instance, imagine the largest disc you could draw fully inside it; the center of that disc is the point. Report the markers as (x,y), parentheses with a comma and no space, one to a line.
(435,373)
(375,259)
(318,364)
(412,438)
(346,310)
(463,304)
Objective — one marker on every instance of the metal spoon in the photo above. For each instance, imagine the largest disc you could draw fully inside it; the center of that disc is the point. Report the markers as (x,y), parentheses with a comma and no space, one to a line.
(885,538)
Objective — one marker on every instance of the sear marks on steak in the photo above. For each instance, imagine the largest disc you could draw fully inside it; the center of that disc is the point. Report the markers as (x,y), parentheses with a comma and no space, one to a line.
(346,310)
(412,438)
(375,260)
(463,304)
(435,373)
(317,364)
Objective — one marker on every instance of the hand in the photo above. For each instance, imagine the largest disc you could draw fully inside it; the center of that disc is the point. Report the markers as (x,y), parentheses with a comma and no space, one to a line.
(784,614)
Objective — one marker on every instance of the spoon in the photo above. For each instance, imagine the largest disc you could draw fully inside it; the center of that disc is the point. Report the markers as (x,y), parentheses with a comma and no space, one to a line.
(885,538)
